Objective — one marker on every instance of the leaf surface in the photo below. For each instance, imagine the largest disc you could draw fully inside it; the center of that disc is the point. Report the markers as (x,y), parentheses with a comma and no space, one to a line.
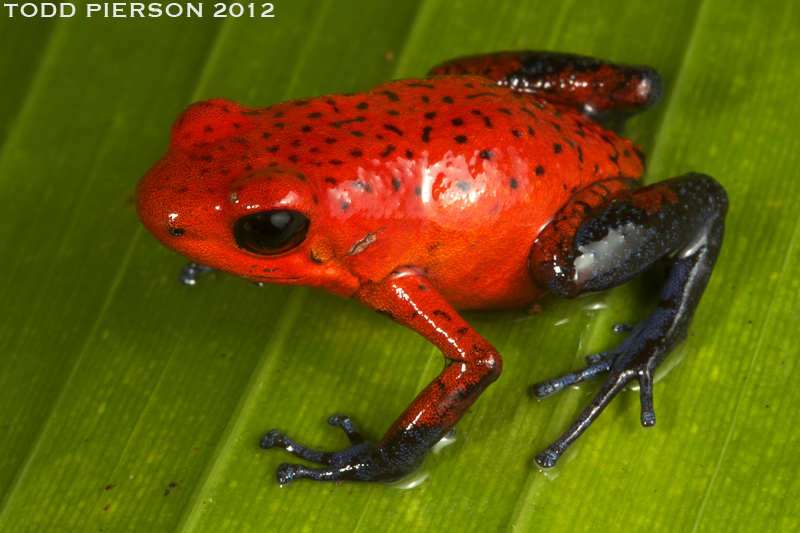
(130,402)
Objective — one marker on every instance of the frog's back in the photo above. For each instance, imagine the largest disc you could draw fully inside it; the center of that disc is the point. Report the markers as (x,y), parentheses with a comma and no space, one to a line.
(442,145)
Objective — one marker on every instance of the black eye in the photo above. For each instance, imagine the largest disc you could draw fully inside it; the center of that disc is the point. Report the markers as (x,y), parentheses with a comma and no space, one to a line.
(270,232)
(176,232)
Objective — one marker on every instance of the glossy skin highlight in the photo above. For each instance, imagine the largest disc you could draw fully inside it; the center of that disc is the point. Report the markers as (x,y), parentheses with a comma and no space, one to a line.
(480,188)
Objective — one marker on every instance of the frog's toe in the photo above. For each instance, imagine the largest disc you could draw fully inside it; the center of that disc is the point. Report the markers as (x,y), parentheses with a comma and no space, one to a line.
(646,398)
(192,272)
(268,440)
(625,327)
(289,472)
(276,439)
(548,458)
(597,358)
(597,364)
(344,422)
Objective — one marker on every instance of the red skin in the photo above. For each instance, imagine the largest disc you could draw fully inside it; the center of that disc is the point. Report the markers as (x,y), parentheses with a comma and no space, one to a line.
(473,244)
(423,196)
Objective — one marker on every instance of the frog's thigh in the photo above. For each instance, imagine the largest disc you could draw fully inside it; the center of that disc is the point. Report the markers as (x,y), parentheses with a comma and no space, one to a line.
(593,86)
(608,234)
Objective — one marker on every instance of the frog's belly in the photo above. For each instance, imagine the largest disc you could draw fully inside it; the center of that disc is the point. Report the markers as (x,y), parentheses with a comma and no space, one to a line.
(488,273)
(478,250)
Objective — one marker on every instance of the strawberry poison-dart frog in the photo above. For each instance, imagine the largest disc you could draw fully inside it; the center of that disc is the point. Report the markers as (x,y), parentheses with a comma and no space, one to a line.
(483,186)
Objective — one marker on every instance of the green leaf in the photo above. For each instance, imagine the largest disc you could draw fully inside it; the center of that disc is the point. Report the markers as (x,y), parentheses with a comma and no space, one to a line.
(130,402)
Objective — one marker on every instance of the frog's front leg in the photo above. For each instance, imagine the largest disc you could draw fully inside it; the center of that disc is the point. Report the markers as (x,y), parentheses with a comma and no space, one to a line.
(409,298)
(608,234)
(192,272)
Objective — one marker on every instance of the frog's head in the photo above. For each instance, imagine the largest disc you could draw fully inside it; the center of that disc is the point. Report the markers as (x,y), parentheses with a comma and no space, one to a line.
(219,200)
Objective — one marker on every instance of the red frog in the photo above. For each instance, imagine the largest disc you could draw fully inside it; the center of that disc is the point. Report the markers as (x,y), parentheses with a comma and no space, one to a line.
(484,186)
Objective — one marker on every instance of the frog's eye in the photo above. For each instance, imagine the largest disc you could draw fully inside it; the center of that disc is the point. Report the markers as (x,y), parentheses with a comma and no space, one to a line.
(270,232)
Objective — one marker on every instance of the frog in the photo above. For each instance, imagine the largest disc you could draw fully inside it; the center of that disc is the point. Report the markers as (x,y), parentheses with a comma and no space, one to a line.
(493,181)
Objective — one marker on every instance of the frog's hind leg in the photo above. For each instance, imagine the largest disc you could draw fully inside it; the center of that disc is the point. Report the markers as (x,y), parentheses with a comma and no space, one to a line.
(607,92)
(605,236)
